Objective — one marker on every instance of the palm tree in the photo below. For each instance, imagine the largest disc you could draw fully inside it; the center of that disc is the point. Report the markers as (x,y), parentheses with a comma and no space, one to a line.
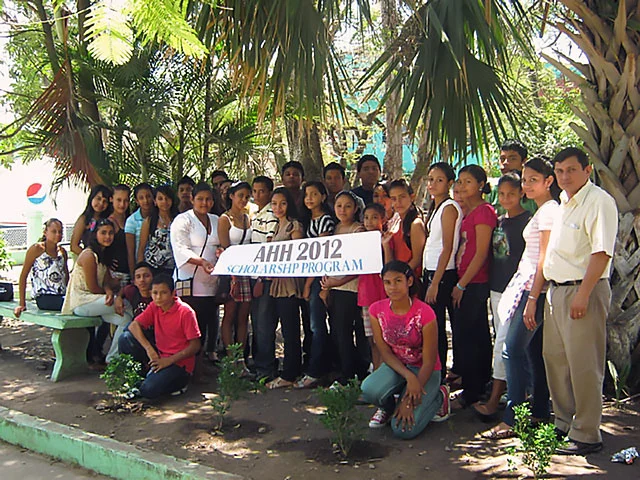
(607,34)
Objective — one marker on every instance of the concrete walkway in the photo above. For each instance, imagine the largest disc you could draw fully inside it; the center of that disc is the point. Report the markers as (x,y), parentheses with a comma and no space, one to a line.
(20,464)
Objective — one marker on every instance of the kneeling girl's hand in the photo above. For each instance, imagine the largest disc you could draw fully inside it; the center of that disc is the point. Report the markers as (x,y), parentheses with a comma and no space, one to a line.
(404,414)
(414,391)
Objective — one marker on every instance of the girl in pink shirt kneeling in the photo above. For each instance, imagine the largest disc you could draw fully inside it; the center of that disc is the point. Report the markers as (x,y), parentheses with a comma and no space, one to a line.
(406,334)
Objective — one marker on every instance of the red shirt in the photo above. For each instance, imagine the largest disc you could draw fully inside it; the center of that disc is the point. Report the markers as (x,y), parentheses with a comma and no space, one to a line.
(173,330)
(483,214)
(401,250)
(403,333)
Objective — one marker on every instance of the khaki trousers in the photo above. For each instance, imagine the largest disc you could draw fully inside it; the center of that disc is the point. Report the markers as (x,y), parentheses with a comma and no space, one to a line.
(574,356)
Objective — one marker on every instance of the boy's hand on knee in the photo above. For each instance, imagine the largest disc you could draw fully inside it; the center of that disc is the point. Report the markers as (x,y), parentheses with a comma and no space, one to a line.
(159,364)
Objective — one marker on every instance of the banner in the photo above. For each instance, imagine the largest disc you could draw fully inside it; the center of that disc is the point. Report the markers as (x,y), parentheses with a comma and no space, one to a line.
(349,254)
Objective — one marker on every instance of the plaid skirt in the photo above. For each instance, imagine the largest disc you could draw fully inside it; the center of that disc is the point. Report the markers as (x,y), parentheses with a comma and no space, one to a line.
(241,289)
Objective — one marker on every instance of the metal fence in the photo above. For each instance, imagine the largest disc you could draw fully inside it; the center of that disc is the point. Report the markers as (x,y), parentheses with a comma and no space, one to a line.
(16,237)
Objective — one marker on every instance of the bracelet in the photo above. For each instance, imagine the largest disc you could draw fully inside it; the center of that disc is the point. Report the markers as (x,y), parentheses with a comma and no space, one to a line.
(460,287)
(531,297)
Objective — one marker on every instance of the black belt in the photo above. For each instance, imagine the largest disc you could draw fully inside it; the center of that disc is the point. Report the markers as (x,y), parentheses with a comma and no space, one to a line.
(570,283)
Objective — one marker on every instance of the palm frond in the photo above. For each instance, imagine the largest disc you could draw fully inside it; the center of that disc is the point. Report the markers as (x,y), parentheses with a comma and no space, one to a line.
(446,63)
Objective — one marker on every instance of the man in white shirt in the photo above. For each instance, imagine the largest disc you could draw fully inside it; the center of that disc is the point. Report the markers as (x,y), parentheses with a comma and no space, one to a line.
(263,226)
(577,265)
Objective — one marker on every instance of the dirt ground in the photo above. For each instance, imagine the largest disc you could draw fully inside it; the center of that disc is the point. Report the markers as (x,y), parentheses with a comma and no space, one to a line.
(276,434)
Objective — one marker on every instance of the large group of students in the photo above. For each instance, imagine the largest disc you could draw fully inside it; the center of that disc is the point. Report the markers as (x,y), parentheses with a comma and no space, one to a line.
(472,249)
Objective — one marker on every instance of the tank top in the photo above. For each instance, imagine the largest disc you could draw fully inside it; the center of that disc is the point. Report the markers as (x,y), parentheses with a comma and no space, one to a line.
(48,275)
(236,233)
(78,292)
(158,251)
(433,247)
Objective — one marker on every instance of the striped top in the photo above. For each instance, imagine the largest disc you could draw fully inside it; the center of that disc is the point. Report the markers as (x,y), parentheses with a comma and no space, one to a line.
(542,221)
(321,225)
(263,225)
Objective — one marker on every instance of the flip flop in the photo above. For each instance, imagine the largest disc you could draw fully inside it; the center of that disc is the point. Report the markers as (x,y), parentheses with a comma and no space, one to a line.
(495,435)
(307,382)
(485,417)
(279,383)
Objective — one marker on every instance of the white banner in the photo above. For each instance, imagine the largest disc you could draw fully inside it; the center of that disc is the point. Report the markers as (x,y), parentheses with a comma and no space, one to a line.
(349,254)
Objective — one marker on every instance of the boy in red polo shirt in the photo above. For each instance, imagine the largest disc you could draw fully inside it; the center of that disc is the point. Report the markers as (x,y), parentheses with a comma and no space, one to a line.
(177,339)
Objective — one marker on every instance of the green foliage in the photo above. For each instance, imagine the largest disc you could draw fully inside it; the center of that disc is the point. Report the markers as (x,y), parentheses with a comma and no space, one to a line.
(231,382)
(5,258)
(537,442)
(545,104)
(112,29)
(620,379)
(341,416)
(121,375)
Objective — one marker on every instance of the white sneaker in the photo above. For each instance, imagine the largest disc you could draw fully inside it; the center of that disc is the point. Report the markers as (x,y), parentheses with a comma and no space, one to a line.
(179,392)
(445,410)
(379,419)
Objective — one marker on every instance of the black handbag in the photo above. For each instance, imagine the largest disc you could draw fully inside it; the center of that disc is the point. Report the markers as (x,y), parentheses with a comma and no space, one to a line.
(6,291)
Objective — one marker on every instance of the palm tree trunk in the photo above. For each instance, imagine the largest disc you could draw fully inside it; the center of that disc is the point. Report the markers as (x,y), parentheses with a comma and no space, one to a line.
(392,164)
(610,130)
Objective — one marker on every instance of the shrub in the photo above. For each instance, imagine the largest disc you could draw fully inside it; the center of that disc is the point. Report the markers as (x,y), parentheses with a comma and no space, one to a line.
(537,442)
(231,383)
(5,258)
(121,375)
(341,416)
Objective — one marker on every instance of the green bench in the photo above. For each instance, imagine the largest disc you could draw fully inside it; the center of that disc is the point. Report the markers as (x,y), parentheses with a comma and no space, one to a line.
(70,337)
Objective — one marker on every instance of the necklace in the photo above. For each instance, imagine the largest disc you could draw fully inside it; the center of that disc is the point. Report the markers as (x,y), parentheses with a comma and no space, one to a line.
(163,222)
(410,305)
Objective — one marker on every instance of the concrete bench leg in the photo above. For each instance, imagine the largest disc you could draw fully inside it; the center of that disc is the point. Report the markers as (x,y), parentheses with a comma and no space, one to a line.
(70,346)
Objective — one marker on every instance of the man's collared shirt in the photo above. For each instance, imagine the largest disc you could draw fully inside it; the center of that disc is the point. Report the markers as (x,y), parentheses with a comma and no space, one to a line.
(587,224)
(263,225)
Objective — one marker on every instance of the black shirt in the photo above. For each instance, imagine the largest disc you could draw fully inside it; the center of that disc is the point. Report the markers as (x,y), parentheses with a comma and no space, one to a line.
(508,246)
(365,195)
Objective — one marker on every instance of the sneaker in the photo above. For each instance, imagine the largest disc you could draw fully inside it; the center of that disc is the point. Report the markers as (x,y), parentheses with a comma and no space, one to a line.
(379,419)
(179,392)
(445,410)
(132,394)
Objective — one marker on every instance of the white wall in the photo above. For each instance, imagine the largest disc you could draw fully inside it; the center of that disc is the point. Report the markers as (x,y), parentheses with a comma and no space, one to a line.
(14,206)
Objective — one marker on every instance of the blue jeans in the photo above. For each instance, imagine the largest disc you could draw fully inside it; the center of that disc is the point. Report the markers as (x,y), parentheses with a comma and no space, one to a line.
(524,365)
(264,321)
(129,345)
(380,387)
(319,362)
(167,380)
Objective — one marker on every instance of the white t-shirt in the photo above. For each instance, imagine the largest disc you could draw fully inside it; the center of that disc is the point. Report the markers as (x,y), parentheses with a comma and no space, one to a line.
(433,247)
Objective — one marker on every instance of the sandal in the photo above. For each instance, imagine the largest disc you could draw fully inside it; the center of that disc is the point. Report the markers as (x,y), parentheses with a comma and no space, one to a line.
(279,383)
(485,417)
(499,432)
(307,382)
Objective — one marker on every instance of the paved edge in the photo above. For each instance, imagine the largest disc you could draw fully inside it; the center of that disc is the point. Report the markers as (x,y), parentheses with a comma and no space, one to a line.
(101,454)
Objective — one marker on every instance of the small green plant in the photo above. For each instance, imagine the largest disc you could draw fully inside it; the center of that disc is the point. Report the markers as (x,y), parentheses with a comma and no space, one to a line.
(121,375)
(5,258)
(537,442)
(621,389)
(231,382)
(341,416)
